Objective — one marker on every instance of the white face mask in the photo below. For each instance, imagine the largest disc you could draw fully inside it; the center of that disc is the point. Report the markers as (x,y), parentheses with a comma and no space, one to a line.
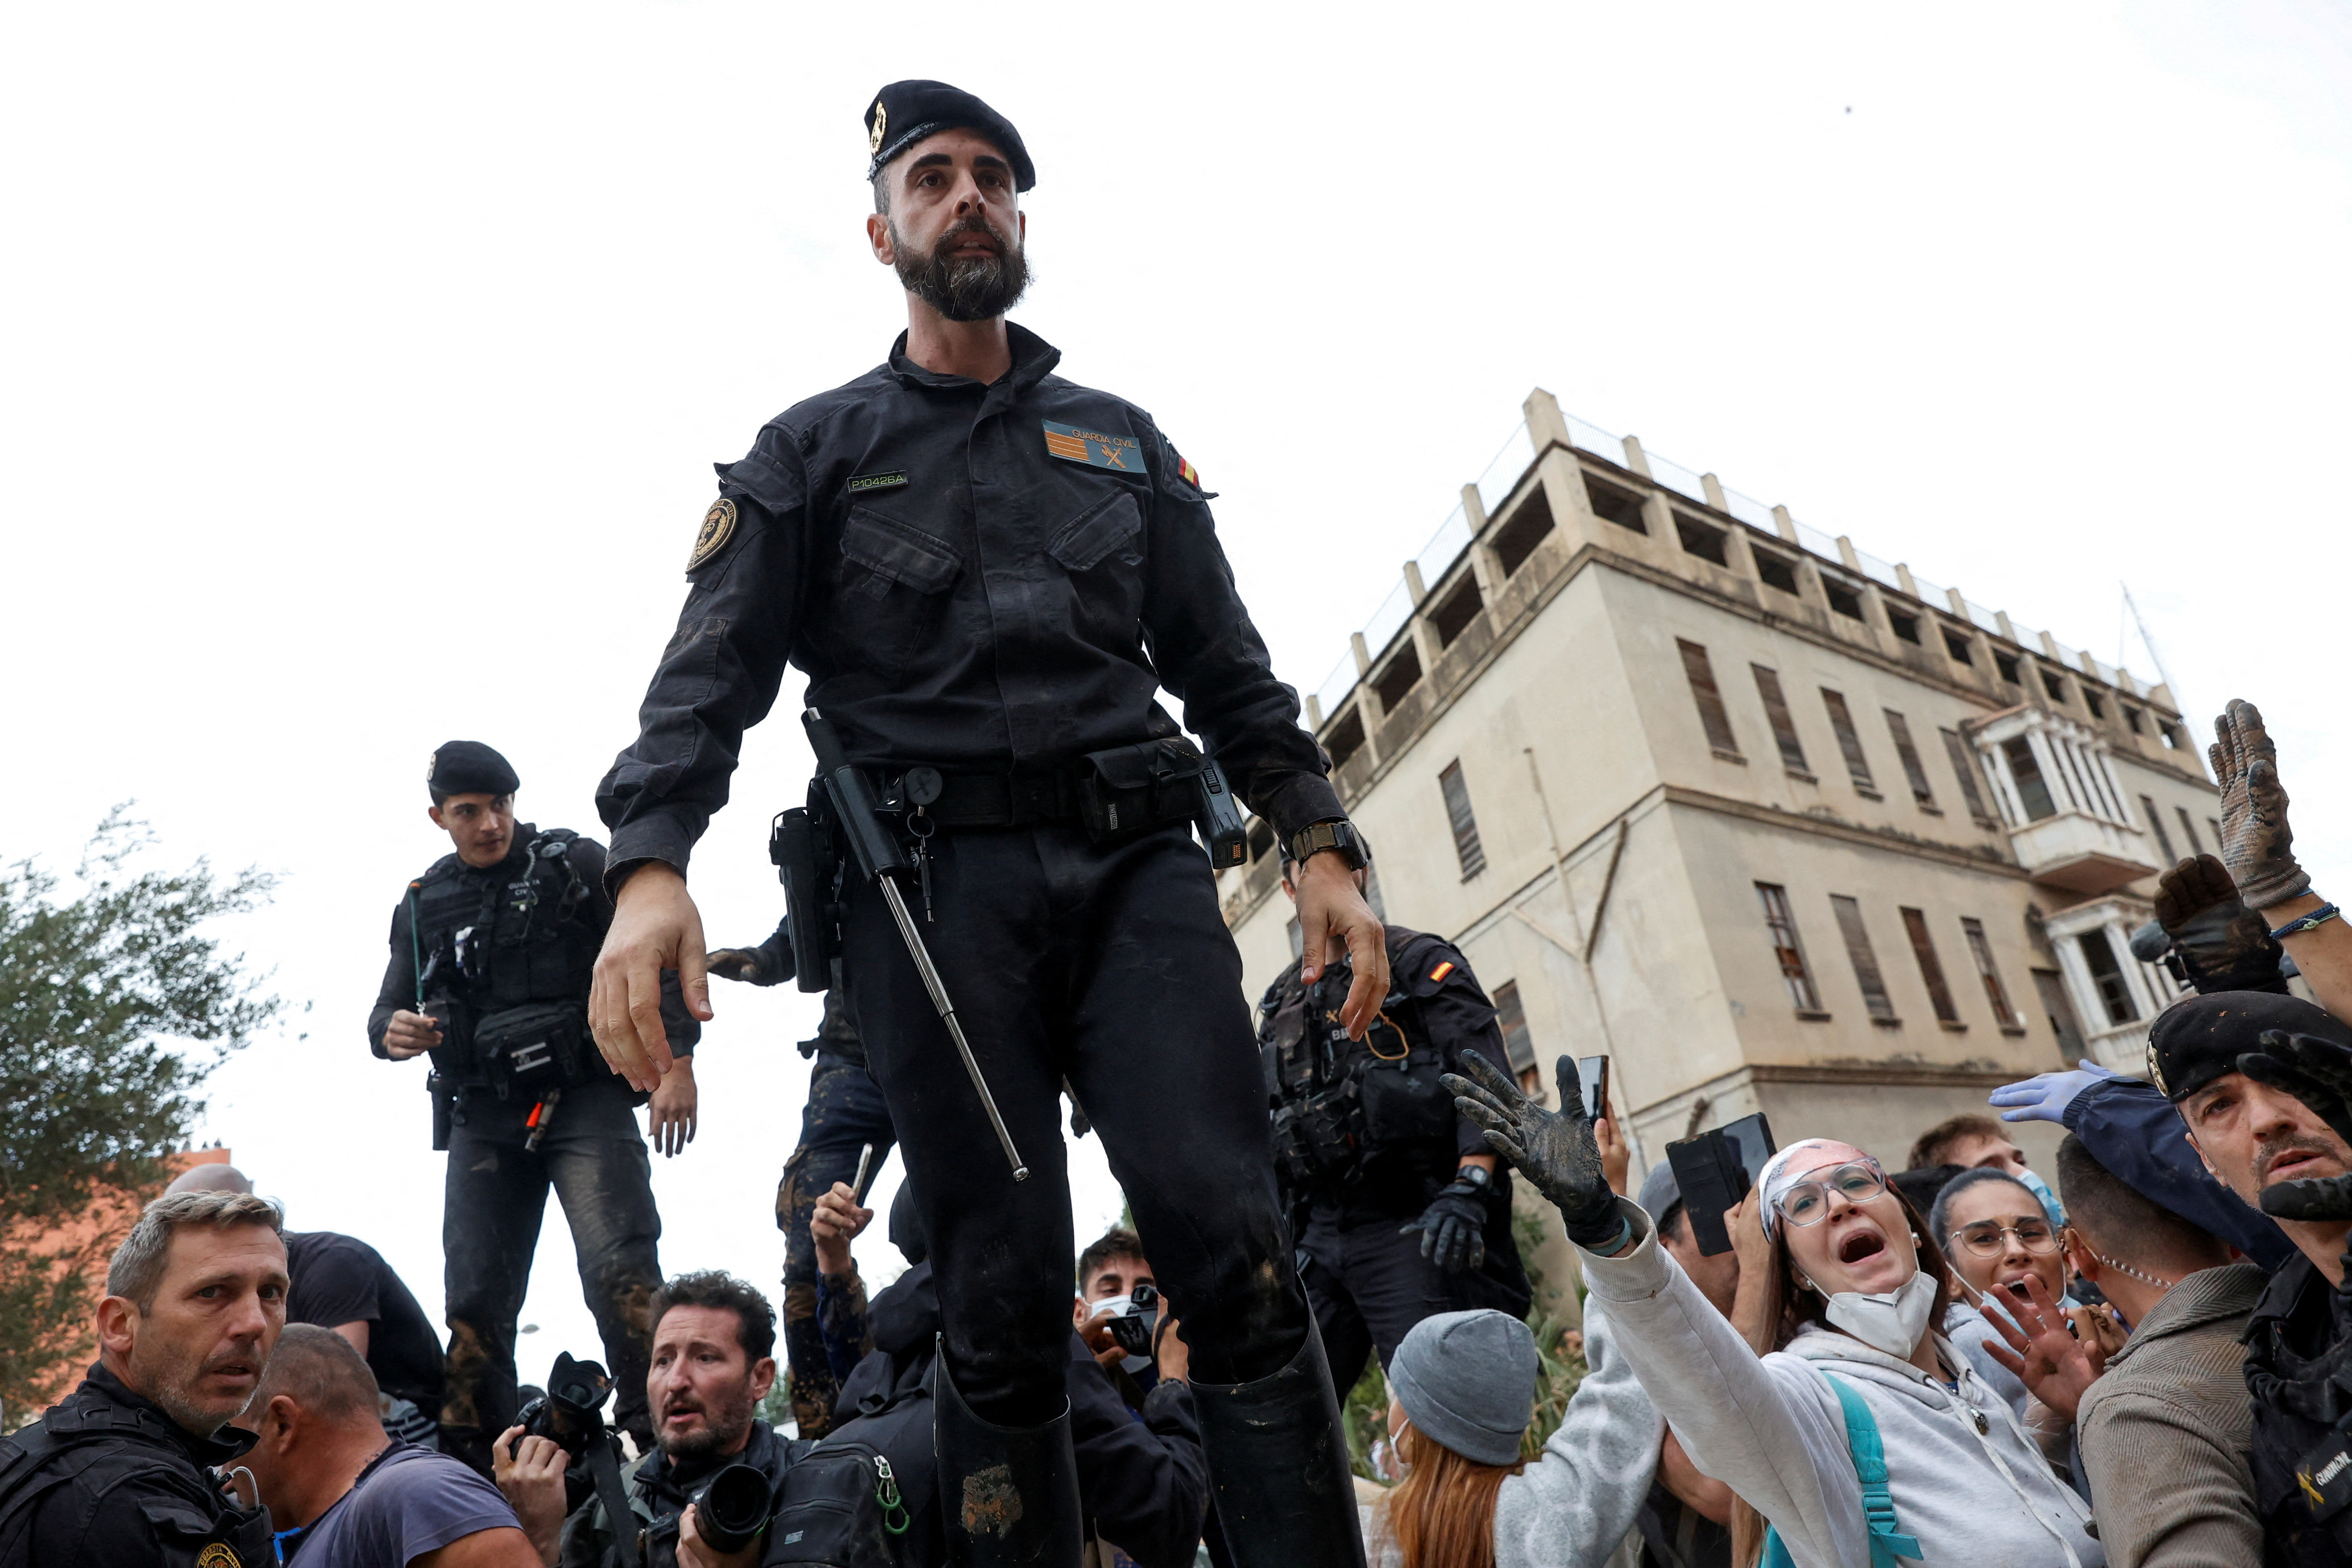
(1891,1322)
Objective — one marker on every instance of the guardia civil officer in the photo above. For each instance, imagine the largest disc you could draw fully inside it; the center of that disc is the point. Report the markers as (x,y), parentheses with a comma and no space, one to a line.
(987,573)
(1399,1211)
(844,1120)
(491,950)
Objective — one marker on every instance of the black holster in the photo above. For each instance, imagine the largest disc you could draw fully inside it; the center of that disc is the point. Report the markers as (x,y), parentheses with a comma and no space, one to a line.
(445,1107)
(802,845)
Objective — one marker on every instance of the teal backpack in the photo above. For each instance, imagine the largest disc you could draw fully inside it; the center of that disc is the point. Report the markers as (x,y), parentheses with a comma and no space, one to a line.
(1887,1543)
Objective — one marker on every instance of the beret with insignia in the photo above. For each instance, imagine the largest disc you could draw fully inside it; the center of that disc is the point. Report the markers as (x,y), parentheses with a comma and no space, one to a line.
(468,767)
(903,112)
(2200,1038)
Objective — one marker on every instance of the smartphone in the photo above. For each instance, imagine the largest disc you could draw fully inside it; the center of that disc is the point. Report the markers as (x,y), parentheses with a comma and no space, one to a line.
(1592,1082)
(1714,1171)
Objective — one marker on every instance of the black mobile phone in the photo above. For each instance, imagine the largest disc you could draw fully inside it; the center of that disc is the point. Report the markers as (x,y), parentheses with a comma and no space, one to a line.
(1592,1082)
(1714,1171)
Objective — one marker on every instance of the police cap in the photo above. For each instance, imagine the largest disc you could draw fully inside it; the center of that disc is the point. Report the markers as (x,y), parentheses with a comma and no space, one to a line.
(468,767)
(903,112)
(2202,1038)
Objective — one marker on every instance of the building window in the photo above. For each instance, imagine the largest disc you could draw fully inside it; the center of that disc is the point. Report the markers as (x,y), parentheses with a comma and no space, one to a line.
(2188,830)
(2050,986)
(1529,526)
(1511,1018)
(2114,995)
(1931,968)
(1864,960)
(1996,993)
(1958,647)
(2006,663)
(1709,697)
(1610,504)
(2032,789)
(2052,684)
(1700,539)
(1453,617)
(2174,739)
(1465,826)
(2155,823)
(1842,597)
(1955,751)
(2094,702)
(1403,674)
(1903,627)
(1784,723)
(1849,740)
(1345,738)
(1913,769)
(1777,571)
(1780,924)
(2216,827)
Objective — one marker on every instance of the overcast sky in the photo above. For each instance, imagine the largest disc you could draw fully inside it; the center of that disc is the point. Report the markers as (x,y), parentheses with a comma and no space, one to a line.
(361,368)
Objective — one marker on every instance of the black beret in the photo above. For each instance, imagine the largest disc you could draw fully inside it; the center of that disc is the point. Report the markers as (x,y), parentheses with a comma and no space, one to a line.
(906,111)
(2200,1038)
(468,767)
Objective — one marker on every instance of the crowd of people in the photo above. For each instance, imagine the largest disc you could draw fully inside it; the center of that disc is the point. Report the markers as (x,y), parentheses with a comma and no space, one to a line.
(989,574)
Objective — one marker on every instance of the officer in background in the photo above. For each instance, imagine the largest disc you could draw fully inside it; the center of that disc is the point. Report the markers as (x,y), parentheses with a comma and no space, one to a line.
(491,953)
(845,1115)
(988,573)
(1399,1209)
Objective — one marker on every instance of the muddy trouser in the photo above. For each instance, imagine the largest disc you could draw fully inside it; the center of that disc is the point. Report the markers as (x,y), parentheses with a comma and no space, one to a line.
(1370,1285)
(844,1113)
(1112,965)
(595,1157)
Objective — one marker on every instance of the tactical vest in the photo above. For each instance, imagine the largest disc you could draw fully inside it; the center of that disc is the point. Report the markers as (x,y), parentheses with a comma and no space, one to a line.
(2301,1449)
(106,1444)
(508,951)
(1342,1107)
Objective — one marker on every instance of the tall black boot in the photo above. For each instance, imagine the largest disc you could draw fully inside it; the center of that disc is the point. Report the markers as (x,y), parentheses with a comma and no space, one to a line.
(1278,1461)
(1009,1494)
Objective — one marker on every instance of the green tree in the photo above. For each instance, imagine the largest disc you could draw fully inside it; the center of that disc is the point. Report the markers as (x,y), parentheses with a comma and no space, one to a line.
(115,1005)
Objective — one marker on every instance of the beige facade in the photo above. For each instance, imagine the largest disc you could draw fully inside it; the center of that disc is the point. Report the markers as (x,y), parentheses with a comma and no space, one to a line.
(1890,862)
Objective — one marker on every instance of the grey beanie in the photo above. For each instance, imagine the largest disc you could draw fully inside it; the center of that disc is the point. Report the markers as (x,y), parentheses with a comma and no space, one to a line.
(1467,1380)
(1660,1191)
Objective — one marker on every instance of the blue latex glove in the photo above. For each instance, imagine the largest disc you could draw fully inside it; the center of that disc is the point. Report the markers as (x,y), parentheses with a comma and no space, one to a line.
(2045,1096)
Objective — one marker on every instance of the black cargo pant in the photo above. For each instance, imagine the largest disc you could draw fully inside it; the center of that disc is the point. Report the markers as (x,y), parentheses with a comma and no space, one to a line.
(1368,1285)
(595,1157)
(845,1113)
(1112,965)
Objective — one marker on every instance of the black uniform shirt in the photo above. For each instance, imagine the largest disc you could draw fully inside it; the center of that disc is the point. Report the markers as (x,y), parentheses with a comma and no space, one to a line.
(338,1280)
(977,576)
(2297,1336)
(140,1495)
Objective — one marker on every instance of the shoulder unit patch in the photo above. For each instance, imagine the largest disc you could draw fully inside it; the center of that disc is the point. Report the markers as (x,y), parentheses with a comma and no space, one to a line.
(717,528)
(1094,447)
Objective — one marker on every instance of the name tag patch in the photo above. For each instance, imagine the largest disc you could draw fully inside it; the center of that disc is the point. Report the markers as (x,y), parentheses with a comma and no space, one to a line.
(878,481)
(1095,448)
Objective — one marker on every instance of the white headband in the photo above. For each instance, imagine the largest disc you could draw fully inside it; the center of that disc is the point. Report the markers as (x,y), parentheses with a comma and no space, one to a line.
(1778,1176)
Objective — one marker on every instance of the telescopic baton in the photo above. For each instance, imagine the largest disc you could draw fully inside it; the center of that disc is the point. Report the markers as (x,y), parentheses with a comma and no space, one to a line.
(881,861)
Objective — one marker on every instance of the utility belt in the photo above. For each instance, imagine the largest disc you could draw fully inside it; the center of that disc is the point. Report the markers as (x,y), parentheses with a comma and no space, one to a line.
(527,1050)
(1114,796)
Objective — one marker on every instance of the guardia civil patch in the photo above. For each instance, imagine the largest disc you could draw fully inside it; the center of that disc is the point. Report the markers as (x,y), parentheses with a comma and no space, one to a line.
(877,482)
(717,528)
(1093,447)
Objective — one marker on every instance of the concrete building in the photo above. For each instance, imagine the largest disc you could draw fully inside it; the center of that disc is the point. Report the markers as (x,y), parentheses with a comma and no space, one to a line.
(1775,825)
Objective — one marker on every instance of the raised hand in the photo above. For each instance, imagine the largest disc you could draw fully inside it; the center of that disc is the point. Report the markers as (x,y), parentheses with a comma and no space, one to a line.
(2045,1096)
(736,964)
(2256,843)
(2056,1367)
(1557,1153)
(2226,944)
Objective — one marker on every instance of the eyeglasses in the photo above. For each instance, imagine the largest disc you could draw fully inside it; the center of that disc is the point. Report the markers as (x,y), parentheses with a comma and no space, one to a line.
(1808,1203)
(1984,1238)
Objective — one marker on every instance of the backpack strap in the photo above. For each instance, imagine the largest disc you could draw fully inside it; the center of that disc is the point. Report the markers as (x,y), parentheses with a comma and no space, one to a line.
(1869,1455)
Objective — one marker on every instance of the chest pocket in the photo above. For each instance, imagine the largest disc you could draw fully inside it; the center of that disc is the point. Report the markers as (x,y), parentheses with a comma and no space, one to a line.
(894,580)
(1101,553)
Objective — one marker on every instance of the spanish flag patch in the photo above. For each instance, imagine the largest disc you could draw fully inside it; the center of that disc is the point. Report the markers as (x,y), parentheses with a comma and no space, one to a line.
(1442,971)
(1191,475)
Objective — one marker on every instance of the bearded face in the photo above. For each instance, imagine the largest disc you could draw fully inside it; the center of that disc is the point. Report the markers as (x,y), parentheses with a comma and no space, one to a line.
(974,273)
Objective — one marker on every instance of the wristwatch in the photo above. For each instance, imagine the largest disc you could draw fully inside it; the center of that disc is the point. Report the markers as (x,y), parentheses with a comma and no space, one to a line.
(1338,836)
(1476,1175)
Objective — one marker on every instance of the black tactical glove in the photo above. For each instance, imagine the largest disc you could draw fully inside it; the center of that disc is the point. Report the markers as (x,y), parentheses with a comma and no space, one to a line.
(1557,1153)
(738,963)
(2225,946)
(2256,843)
(2318,1073)
(1453,1227)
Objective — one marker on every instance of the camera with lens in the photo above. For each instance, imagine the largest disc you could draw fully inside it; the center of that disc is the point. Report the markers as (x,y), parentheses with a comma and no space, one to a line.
(571,1413)
(733,1511)
(1132,1329)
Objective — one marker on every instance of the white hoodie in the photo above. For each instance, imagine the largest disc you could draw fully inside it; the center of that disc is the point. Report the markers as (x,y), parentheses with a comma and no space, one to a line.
(1966,1481)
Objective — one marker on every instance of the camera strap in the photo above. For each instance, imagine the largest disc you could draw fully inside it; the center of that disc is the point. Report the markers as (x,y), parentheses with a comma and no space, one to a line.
(604,1461)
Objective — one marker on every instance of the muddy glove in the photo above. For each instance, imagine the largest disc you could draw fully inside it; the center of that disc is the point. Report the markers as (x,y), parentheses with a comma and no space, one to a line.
(1557,1153)
(2318,1073)
(770,964)
(1453,1227)
(2225,946)
(2256,843)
